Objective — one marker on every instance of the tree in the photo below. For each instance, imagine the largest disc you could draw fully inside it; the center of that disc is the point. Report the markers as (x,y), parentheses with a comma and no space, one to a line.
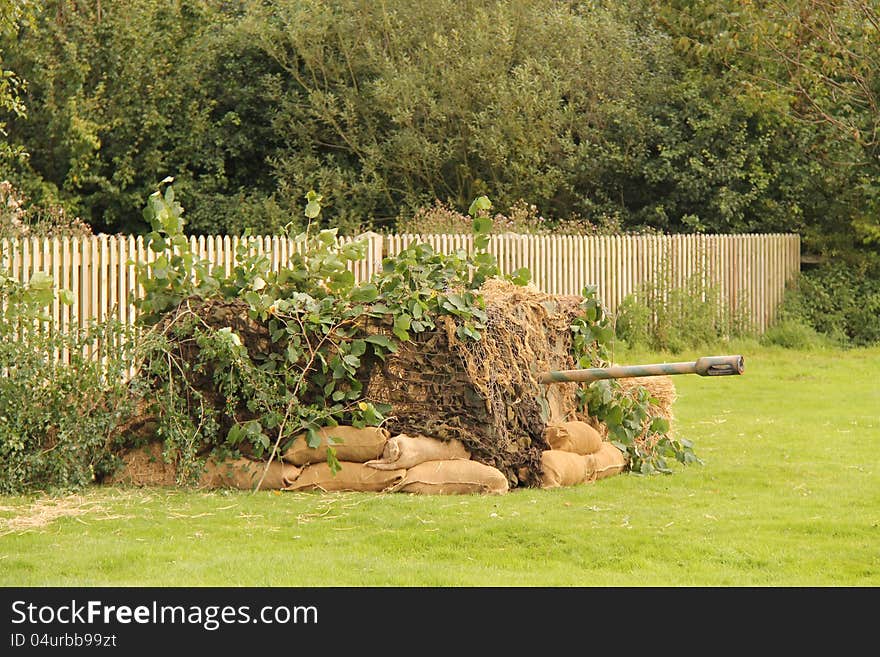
(12,14)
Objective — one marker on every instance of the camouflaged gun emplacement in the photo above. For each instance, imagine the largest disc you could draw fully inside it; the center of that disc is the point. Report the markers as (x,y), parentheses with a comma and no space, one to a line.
(705,366)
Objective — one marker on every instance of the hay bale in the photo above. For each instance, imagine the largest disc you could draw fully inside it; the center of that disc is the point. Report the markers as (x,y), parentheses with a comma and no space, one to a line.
(145,466)
(149,466)
(485,393)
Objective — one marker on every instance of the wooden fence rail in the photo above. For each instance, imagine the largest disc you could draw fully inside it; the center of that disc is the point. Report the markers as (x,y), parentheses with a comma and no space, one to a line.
(749,271)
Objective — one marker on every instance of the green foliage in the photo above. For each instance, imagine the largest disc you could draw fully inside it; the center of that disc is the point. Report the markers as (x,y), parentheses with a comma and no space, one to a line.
(105,125)
(839,300)
(56,415)
(631,426)
(216,391)
(13,14)
(176,273)
(597,115)
(663,316)
(794,334)
(809,69)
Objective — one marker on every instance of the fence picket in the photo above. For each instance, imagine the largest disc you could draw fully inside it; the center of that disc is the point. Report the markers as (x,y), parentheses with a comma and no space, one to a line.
(750,272)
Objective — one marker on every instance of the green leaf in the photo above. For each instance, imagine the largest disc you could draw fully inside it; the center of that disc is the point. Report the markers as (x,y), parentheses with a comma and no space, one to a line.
(521,276)
(157,244)
(366,293)
(235,434)
(482,225)
(342,280)
(65,297)
(479,204)
(313,204)
(381,341)
(358,348)
(481,242)
(660,425)
(40,281)
(457,301)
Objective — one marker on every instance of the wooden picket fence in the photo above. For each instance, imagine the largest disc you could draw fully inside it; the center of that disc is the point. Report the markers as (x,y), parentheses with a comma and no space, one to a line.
(750,272)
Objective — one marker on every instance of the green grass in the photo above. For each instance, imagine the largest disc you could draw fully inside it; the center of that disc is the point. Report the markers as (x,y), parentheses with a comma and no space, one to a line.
(789,496)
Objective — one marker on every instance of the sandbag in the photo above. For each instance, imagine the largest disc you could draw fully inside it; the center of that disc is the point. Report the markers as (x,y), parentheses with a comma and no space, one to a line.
(405,451)
(575,436)
(561,468)
(245,474)
(607,462)
(358,445)
(451,477)
(352,477)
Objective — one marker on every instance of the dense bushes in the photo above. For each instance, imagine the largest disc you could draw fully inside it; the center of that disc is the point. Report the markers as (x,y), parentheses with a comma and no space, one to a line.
(840,299)
(662,316)
(56,417)
(589,112)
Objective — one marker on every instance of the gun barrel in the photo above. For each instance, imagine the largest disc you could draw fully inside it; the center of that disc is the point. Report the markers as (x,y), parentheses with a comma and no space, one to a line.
(705,366)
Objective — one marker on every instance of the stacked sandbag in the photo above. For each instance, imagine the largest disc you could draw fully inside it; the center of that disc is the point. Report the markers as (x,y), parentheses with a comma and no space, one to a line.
(352,476)
(405,451)
(245,474)
(562,468)
(147,466)
(350,443)
(575,436)
(608,461)
(453,477)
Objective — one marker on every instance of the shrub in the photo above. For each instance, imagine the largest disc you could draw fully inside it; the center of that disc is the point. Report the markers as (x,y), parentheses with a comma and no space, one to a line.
(794,334)
(55,417)
(661,316)
(839,299)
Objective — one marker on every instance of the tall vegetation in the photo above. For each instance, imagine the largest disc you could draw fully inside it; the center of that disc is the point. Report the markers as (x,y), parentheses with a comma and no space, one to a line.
(675,116)
(627,114)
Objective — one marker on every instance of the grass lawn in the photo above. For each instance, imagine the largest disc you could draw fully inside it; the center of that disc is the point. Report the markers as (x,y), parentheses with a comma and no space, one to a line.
(789,496)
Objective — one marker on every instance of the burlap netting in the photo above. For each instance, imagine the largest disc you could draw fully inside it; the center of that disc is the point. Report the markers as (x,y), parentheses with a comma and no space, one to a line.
(456,477)
(485,393)
(573,436)
(352,476)
(407,451)
(353,444)
(147,466)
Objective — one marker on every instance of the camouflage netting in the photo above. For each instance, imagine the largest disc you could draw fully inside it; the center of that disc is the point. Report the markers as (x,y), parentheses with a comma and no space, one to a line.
(486,393)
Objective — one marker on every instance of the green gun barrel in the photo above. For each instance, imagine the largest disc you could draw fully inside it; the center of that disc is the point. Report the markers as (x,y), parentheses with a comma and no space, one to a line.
(705,366)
